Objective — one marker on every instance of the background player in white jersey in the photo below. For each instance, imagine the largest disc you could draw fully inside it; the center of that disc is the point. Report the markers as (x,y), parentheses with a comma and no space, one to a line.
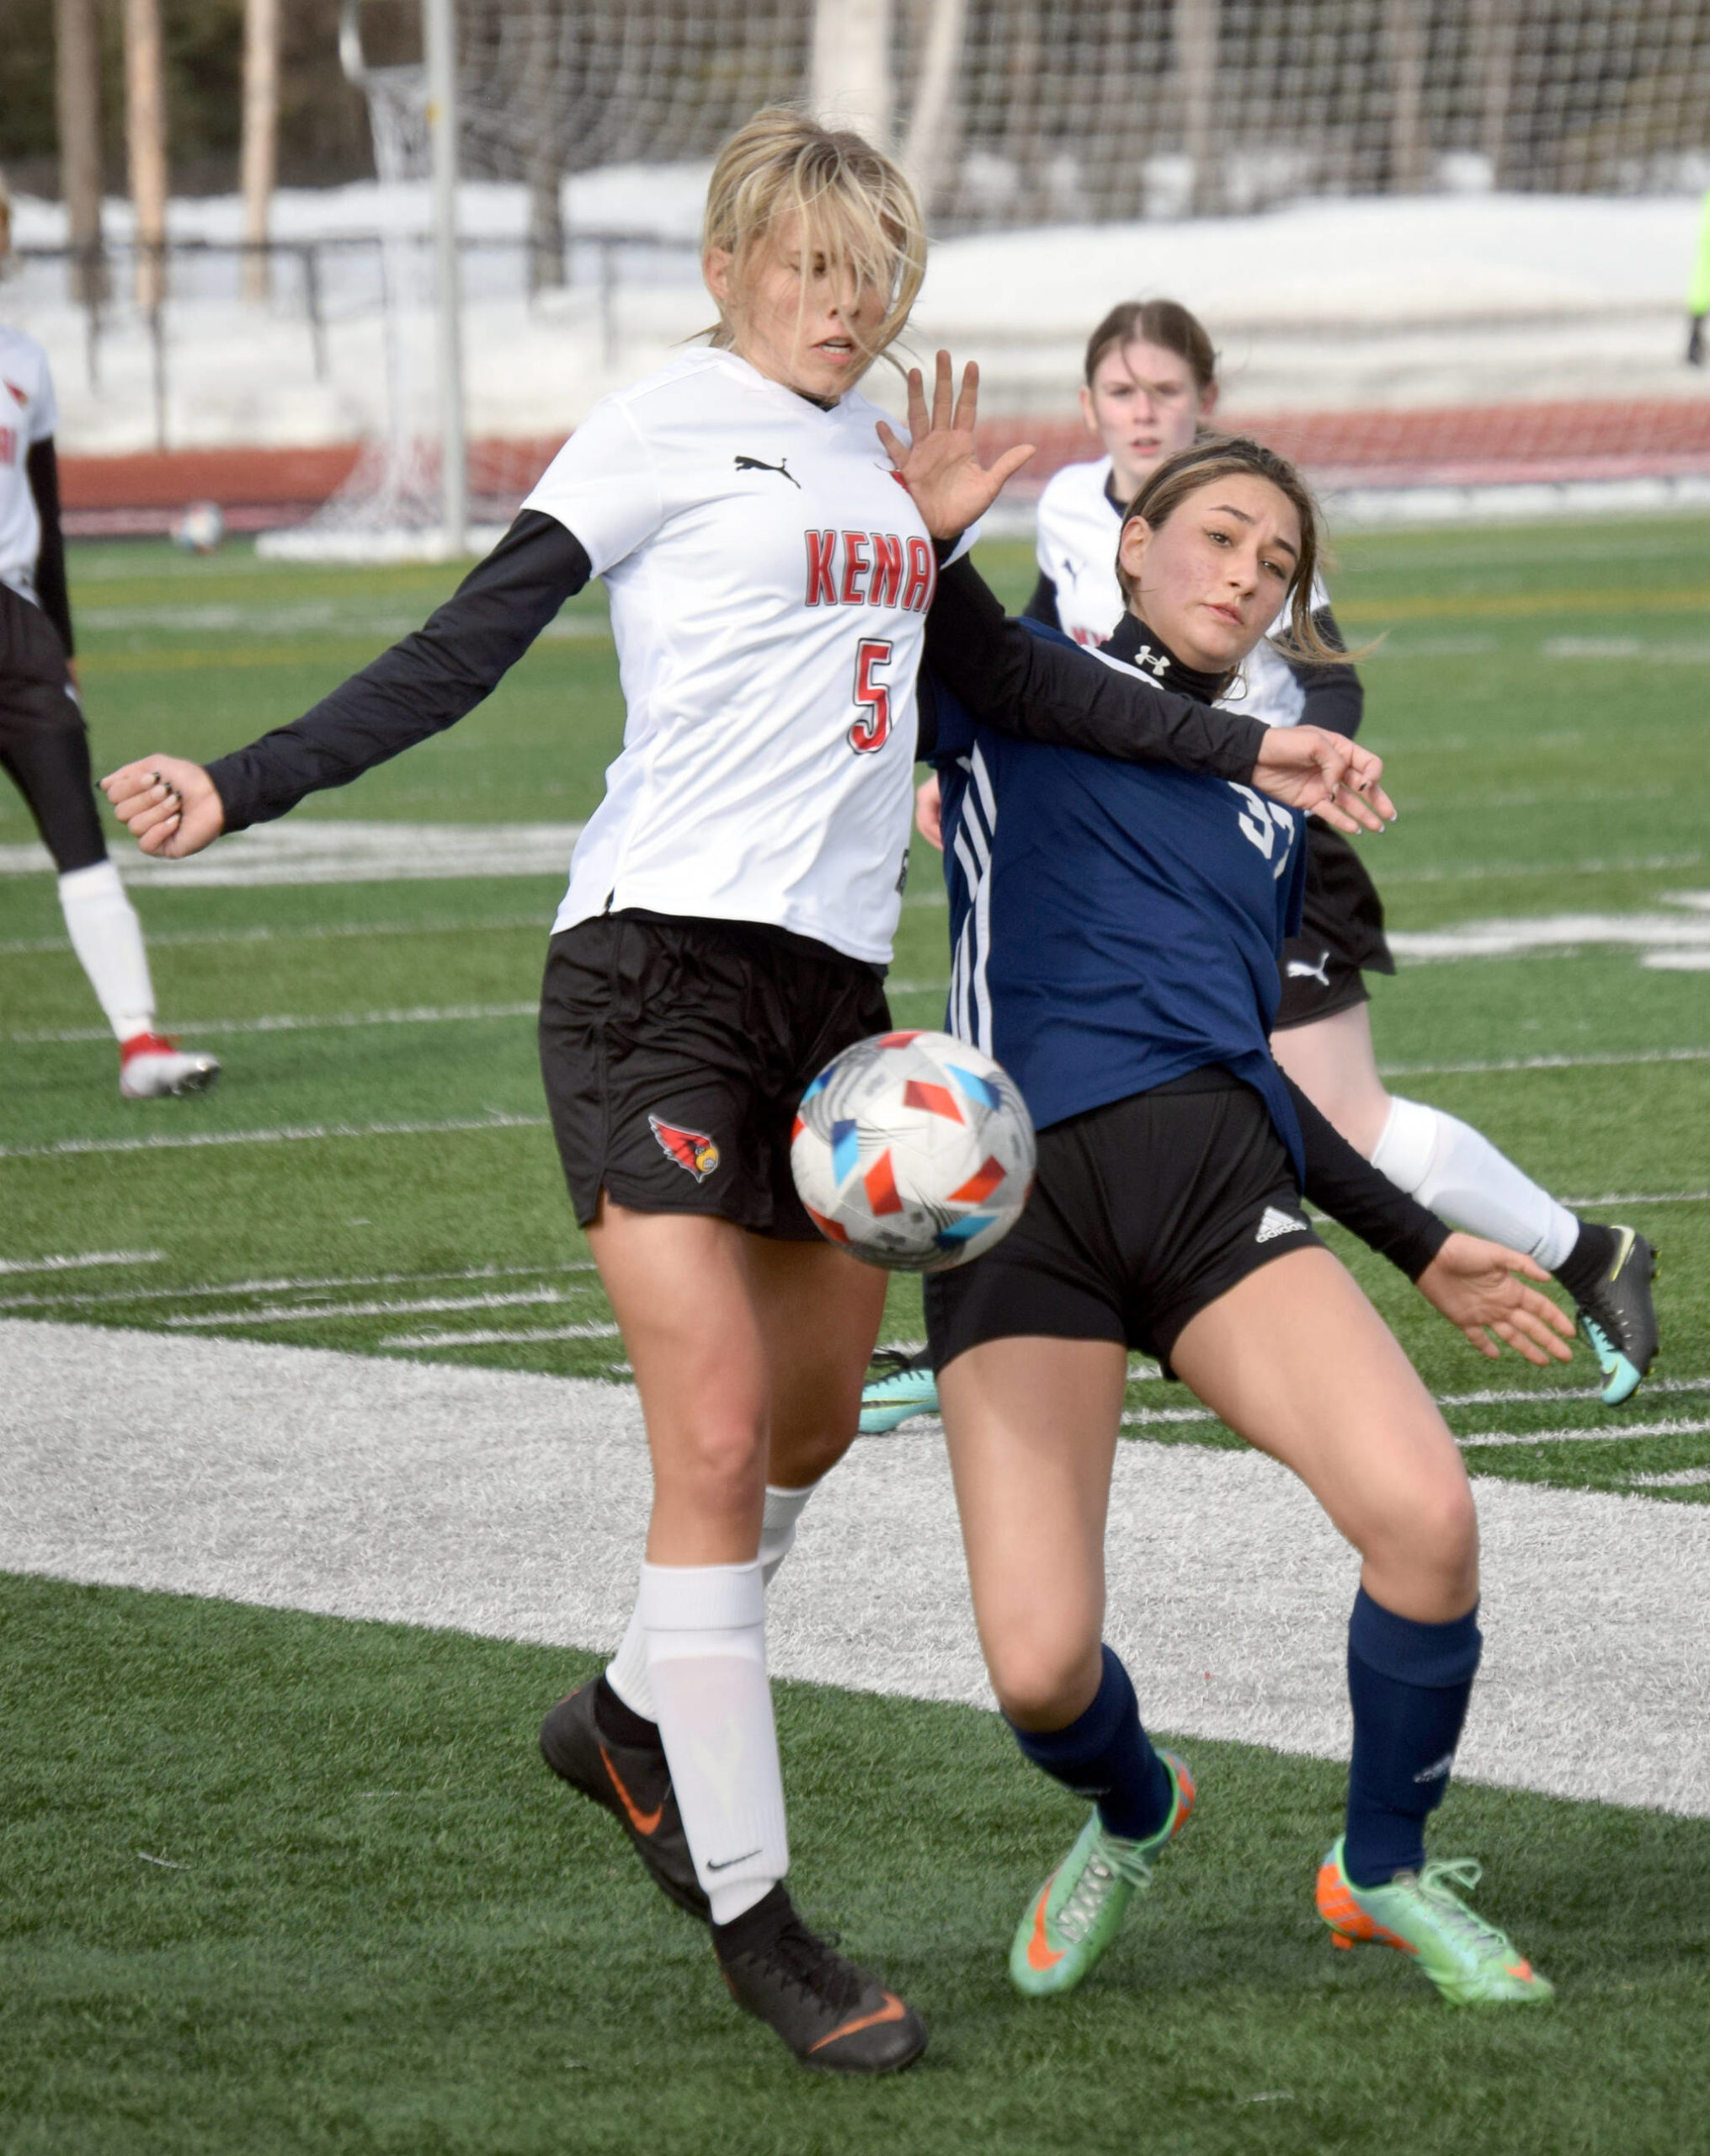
(1150,385)
(730,912)
(44,744)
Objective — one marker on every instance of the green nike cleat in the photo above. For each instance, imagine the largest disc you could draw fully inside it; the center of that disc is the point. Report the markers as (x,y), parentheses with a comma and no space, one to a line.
(1620,1320)
(1080,1909)
(1470,1962)
(906,1392)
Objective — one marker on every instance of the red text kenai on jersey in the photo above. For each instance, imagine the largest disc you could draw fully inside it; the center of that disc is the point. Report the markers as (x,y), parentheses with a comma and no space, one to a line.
(867,569)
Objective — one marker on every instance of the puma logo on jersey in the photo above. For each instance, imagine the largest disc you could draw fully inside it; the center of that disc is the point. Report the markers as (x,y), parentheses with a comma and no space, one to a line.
(1274,1222)
(759,464)
(691,1149)
(867,569)
(1298,969)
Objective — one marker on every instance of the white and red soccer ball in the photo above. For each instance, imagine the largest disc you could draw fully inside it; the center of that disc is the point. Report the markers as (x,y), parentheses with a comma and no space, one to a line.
(914,1150)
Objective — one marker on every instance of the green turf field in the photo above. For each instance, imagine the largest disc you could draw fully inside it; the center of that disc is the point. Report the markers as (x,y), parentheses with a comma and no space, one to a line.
(388,1933)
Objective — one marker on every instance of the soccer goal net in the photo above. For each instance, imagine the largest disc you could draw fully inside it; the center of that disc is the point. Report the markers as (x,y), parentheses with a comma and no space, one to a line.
(1018,117)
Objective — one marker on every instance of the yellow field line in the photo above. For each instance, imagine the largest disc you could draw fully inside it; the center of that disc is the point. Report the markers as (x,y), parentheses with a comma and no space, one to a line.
(1497,604)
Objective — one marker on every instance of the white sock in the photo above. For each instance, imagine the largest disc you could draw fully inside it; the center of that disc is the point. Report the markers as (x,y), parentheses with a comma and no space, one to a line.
(1448,1165)
(706,1658)
(107,936)
(626,1673)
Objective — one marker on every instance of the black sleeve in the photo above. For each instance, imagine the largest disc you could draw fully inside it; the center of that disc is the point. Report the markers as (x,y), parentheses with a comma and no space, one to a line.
(434,677)
(1345,1184)
(1335,697)
(1028,685)
(42,466)
(1042,605)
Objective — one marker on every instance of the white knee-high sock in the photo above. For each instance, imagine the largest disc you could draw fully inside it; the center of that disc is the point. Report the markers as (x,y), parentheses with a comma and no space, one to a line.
(107,936)
(1448,1165)
(706,1657)
(626,1673)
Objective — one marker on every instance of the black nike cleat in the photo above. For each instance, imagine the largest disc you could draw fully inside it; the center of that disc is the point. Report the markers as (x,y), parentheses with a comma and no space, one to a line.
(1619,1319)
(831,2014)
(633,1782)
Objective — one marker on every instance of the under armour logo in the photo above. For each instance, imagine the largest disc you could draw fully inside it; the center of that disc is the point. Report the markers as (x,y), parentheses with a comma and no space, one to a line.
(1298,969)
(759,464)
(1155,663)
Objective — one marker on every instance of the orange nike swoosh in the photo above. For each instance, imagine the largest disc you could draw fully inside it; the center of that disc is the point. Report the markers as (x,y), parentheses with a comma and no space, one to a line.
(644,1823)
(893,2010)
(1522,1969)
(1040,1956)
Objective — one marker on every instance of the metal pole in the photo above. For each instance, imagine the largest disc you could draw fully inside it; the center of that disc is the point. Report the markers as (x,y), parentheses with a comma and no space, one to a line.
(439,41)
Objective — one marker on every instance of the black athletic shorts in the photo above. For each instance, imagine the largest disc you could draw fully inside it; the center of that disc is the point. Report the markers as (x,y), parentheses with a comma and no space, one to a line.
(43,745)
(1141,1214)
(675,1052)
(1341,934)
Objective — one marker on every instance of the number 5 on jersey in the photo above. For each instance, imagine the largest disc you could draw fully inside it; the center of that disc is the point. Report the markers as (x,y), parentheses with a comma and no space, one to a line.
(872,697)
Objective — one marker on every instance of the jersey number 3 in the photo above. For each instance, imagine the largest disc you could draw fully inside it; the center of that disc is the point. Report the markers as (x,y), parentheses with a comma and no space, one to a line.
(872,697)
(1263,825)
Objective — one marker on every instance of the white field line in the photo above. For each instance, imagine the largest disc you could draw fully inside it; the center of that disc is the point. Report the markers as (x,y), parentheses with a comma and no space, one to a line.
(1617,1060)
(305,1313)
(400,1341)
(302,849)
(514,1507)
(1602,1434)
(288,1284)
(325,932)
(78,1260)
(289,1135)
(1516,1395)
(1643,1197)
(1683,1478)
(294,1023)
(1514,937)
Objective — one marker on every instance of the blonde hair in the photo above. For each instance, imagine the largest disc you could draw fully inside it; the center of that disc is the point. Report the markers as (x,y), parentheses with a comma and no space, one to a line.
(1225,456)
(855,206)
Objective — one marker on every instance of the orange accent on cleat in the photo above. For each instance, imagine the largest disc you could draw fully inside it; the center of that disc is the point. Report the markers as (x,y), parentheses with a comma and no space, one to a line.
(1040,1953)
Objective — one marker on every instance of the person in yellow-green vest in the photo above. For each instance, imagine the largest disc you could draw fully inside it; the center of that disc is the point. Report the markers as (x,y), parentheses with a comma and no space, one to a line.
(1698,292)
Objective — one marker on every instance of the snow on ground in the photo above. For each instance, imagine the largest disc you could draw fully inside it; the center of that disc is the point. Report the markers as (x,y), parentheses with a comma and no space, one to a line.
(1318,305)
(513,1506)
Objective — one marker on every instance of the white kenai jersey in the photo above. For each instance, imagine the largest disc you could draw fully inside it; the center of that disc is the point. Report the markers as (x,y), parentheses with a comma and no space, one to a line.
(28,415)
(769,577)
(1079,529)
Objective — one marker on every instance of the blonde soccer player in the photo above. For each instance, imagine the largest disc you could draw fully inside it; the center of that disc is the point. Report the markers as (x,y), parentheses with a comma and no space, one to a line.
(726,932)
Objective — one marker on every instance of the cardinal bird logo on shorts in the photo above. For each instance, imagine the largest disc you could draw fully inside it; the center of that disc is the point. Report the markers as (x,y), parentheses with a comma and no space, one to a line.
(692,1150)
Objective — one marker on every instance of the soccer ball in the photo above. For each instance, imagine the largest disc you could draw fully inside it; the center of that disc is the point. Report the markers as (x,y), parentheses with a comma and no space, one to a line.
(914,1151)
(201,529)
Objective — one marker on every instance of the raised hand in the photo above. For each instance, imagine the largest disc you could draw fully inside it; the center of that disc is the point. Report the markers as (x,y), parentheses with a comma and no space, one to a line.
(1473,1282)
(939,464)
(170,806)
(1306,767)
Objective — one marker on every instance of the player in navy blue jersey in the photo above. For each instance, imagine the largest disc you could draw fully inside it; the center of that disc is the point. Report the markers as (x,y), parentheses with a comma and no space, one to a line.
(1115,934)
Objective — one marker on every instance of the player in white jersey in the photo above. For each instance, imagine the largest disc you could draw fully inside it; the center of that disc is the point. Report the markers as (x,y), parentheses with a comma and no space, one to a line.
(1150,386)
(44,744)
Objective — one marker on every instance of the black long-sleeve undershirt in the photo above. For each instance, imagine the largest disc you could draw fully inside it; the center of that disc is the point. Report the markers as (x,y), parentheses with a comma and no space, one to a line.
(1336,695)
(1042,691)
(424,683)
(1343,1183)
(41,467)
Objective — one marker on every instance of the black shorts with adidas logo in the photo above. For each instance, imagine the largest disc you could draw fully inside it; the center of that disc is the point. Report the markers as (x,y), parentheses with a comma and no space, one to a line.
(1143,1213)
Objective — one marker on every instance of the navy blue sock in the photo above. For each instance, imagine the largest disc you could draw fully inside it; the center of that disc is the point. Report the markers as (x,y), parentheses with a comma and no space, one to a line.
(1105,1753)
(1409,1683)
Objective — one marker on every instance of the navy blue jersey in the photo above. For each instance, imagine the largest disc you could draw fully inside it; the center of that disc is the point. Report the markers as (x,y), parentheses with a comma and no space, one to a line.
(1113,926)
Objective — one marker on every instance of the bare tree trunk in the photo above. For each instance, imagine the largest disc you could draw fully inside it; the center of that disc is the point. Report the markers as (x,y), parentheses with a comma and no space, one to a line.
(546,155)
(145,133)
(1193,27)
(1409,146)
(260,158)
(935,120)
(1493,58)
(850,80)
(77,88)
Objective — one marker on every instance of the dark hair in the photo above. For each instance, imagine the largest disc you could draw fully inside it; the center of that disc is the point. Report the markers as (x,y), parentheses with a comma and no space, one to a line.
(1166,322)
(1223,456)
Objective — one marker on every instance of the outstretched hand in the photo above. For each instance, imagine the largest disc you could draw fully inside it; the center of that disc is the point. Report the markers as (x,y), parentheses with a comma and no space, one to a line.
(1306,767)
(939,464)
(1472,1284)
(170,806)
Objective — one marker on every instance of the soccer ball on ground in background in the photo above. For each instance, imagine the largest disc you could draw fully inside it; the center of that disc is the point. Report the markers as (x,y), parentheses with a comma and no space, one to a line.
(914,1150)
(201,529)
